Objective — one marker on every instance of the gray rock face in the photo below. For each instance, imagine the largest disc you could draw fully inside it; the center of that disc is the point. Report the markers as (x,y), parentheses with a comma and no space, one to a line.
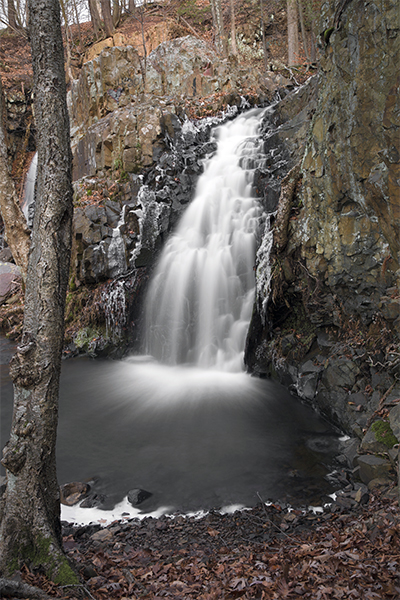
(335,287)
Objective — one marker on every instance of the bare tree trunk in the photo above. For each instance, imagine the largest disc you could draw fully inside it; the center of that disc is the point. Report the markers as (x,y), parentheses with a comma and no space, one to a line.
(218,22)
(12,15)
(107,18)
(95,17)
(233,27)
(16,229)
(78,24)
(303,31)
(293,33)
(263,36)
(30,529)
(116,12)
(131,6)
(313,51)
(67,43)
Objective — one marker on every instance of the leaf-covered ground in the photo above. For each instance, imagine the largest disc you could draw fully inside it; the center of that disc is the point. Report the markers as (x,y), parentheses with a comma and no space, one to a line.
(266,553)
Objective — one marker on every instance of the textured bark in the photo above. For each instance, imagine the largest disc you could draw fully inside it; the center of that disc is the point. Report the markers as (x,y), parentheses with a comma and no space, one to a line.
(293,33)
(16,229)
(107,17)
(30,529)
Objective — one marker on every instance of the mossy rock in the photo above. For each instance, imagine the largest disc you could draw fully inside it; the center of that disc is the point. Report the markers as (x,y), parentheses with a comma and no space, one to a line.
(383,433)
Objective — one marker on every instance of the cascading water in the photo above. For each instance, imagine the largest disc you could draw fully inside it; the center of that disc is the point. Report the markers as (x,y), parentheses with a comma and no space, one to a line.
(200,300)
(28,206)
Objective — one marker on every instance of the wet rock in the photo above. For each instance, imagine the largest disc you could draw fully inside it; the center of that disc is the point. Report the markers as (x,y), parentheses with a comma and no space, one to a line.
(350,450)
(137,496)
(93,501)
(72,493)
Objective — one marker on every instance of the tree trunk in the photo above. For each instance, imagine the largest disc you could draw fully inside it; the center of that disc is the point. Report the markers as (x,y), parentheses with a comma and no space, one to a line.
(264,43)
(12,15)
(107,18)
(218,22)
(116,13)
(131,6)
(30,529)
(303,31)
(233,28)
(293,33)
(16,229)
(95,17)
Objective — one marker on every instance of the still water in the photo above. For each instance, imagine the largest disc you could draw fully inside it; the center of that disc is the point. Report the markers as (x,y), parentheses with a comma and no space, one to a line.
(195,439)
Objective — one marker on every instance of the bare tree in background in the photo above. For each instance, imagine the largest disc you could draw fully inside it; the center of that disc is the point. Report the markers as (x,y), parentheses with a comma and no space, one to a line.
(12,15)
(293,33)
(95,17)
(218,23)
(233,27)
(107,17)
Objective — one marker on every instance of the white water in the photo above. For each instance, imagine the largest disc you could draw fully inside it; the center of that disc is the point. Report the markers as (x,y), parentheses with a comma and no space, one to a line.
(29,191)
(200,300)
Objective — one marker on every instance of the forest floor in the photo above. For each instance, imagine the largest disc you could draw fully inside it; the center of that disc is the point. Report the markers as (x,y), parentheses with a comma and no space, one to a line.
(265,553)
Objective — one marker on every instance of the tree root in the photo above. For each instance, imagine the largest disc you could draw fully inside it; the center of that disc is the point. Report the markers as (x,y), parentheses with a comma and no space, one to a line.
(17,589)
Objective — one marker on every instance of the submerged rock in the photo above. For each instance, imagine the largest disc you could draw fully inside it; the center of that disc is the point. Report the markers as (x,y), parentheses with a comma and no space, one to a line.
(137,496)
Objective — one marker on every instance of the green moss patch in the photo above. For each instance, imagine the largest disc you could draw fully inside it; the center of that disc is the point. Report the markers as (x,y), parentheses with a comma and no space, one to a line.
(383,433)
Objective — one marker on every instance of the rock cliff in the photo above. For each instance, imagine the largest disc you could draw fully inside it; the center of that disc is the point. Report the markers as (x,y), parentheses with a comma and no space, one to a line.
(331,326)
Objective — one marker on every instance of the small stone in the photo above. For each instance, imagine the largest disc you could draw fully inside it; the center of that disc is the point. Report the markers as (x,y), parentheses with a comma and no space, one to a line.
(102,536)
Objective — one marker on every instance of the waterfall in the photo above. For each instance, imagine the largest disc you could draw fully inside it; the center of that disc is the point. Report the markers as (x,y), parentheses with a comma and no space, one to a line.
(201,296)
(28,206)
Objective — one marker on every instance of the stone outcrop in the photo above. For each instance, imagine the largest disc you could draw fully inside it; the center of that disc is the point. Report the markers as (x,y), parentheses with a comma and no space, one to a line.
(117,104)
(330,328)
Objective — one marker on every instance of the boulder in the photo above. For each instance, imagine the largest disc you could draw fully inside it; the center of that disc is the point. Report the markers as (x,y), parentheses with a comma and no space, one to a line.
(137,496)
(374,467)
(72,493)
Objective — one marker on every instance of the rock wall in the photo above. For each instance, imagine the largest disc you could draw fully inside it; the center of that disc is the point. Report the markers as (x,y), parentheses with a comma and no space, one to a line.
(120,98)
(331,326)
